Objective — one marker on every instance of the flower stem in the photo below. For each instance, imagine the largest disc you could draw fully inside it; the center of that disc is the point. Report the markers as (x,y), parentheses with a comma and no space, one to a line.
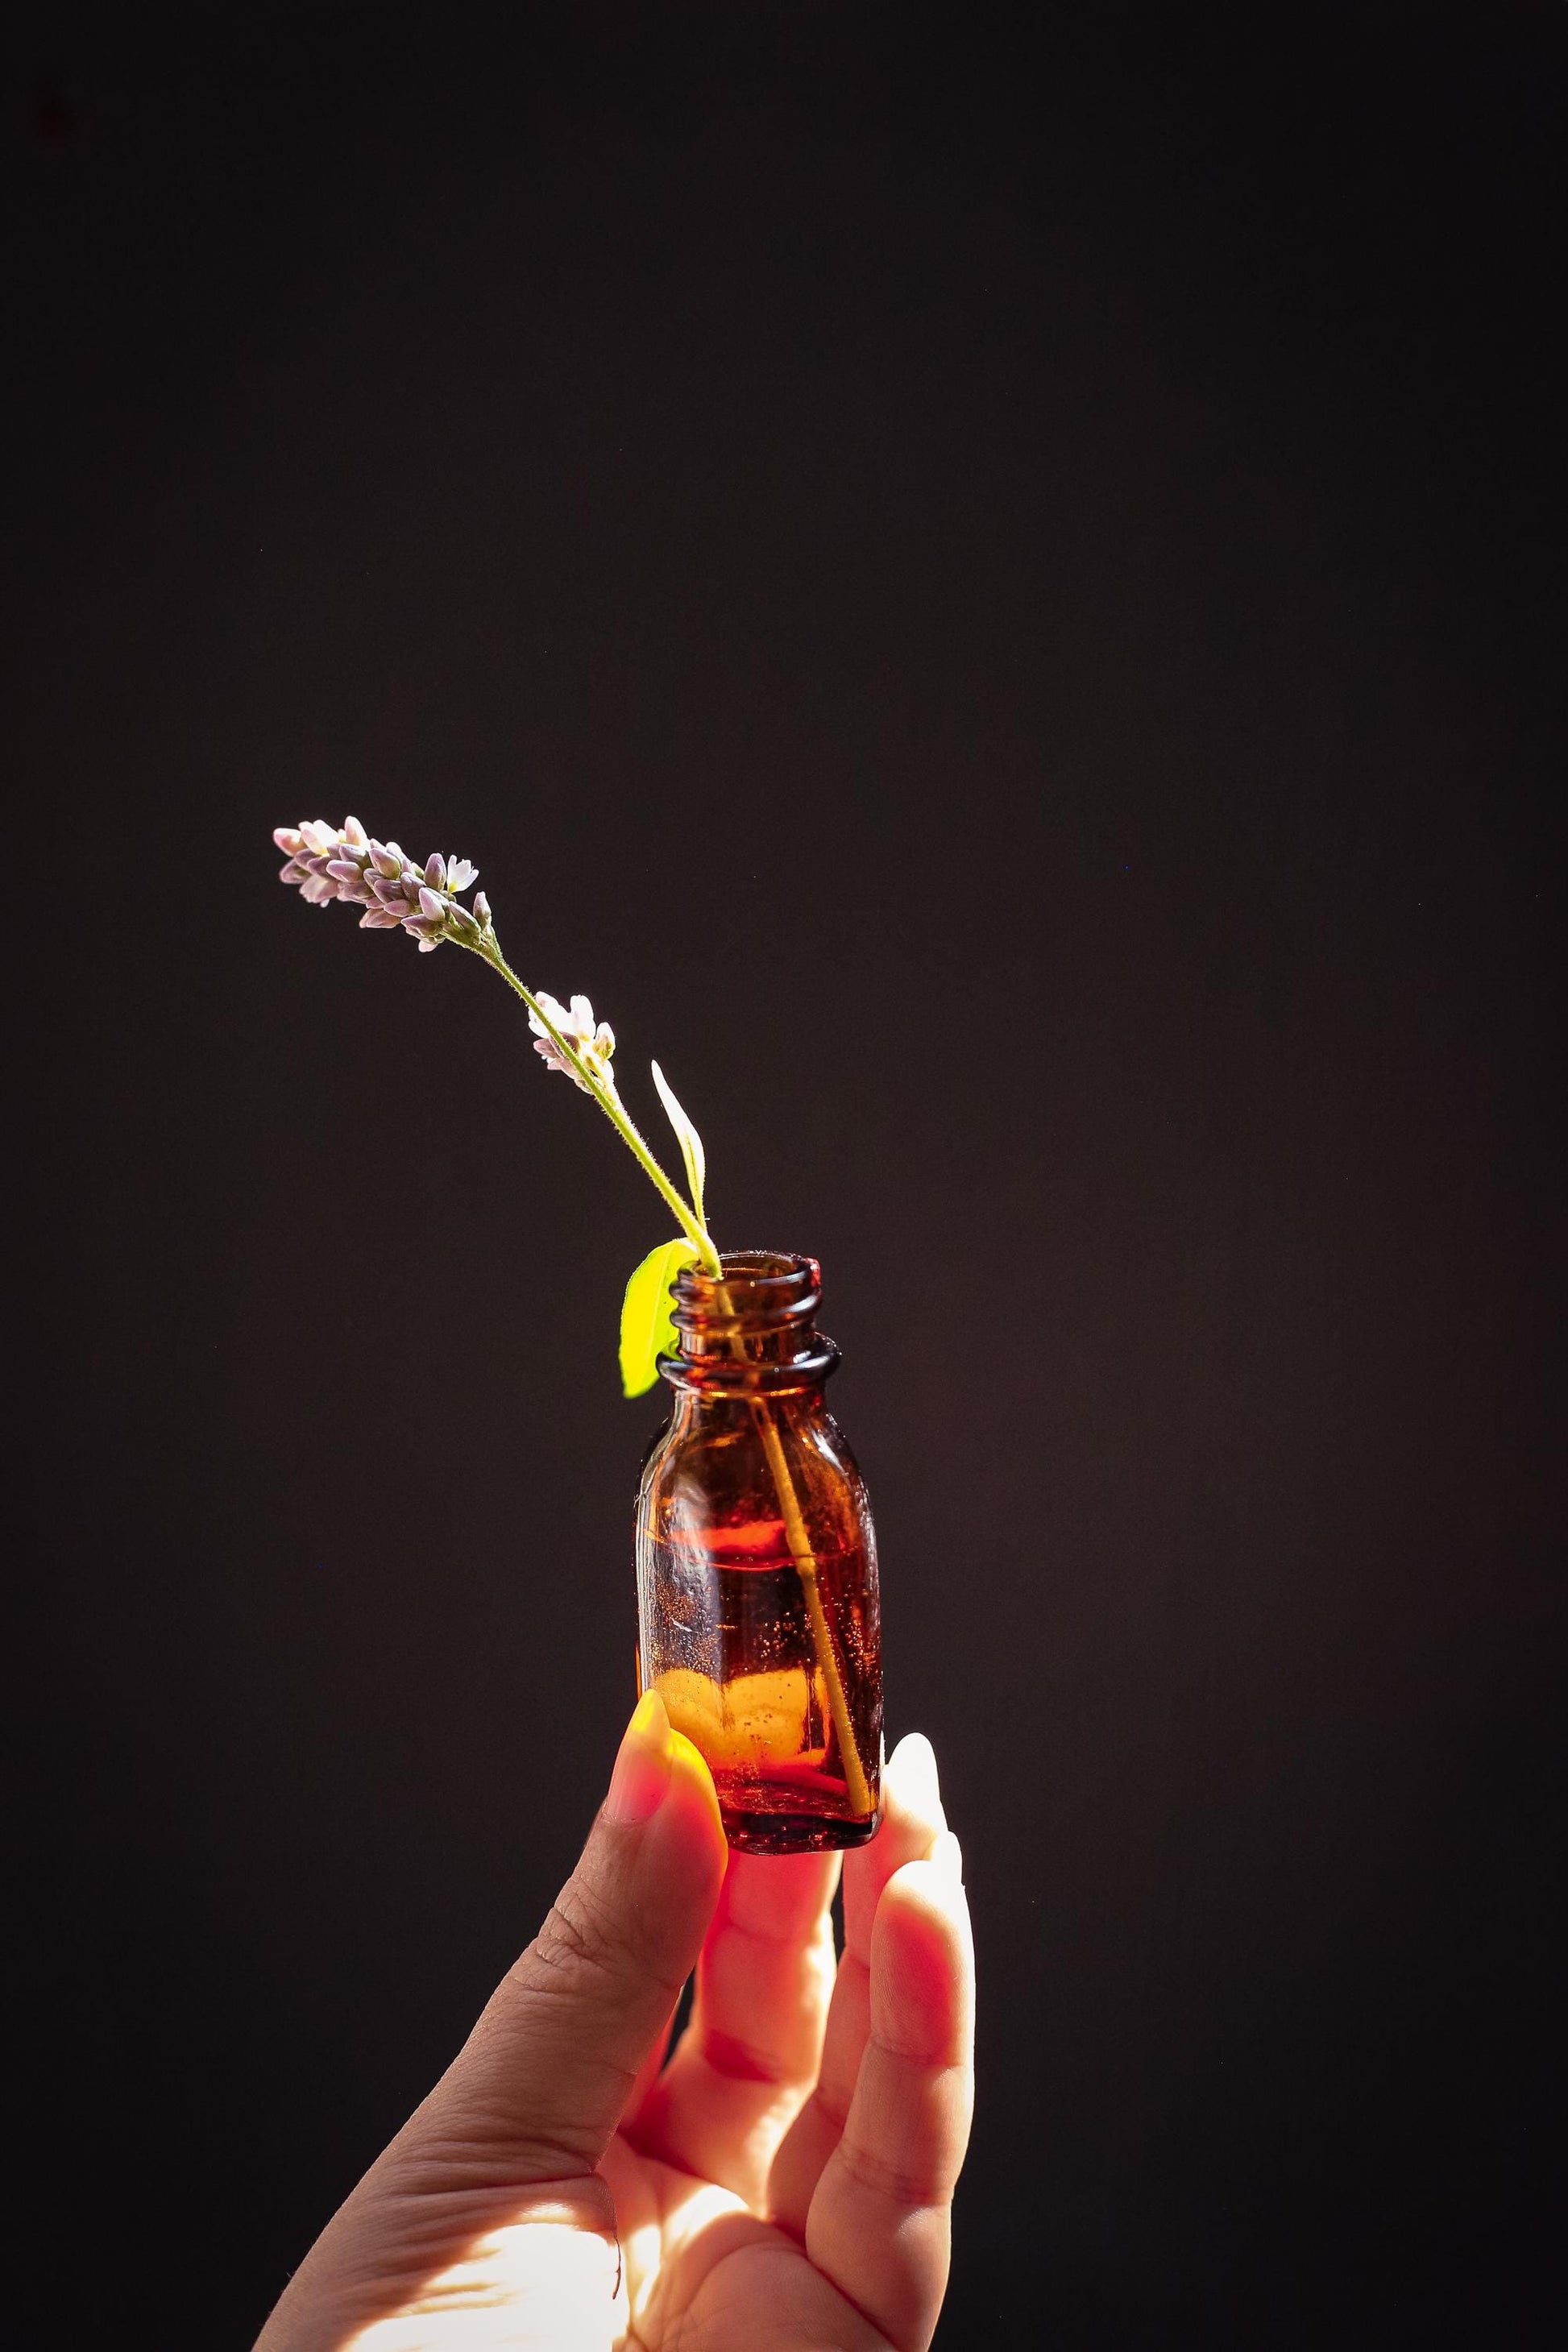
(805,1559)
(696,1232)
(609,1102)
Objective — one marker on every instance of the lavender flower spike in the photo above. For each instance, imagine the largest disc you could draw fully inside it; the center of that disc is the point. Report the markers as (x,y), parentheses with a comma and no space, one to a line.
(327,862)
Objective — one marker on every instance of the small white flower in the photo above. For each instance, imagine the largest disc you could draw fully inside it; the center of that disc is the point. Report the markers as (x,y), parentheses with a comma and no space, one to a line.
(576,1026)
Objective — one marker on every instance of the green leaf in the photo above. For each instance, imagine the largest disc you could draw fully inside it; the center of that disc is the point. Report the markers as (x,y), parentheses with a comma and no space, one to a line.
(690,1142)
(646,1331)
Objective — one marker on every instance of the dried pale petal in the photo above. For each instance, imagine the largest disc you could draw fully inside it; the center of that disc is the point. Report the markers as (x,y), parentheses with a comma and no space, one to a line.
(583,1015)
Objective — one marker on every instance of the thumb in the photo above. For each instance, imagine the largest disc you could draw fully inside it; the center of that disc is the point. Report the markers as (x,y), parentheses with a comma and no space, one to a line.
(537,2090)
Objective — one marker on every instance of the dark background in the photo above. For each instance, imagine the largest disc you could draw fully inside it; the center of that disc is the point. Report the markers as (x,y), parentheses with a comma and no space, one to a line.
(990,596)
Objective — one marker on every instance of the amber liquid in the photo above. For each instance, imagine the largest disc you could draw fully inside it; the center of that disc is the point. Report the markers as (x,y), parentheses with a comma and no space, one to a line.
(730,1649)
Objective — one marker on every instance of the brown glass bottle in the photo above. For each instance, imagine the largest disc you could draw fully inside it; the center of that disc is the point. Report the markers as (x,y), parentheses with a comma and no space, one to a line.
(757,1599)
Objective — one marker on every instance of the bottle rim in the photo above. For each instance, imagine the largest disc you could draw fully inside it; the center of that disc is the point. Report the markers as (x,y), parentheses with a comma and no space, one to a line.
(758,1290)
(749,1327)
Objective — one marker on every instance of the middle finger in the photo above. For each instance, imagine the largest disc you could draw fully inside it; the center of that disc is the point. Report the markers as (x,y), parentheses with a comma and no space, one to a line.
(754,2045)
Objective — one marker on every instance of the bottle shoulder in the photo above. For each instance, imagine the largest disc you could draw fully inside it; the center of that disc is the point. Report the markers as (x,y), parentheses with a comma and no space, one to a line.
(719,1465)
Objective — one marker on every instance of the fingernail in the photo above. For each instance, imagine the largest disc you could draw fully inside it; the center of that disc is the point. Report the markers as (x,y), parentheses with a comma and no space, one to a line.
(912,1766)
(642,1768)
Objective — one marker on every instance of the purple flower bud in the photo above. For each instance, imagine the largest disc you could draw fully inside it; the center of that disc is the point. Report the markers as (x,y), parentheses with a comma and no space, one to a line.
(342,869)
(288,839)
(426,946)
(378,919)
(355,833)
(384,862)
(462,923)
(431,907)
(389,892)
(482,909)
(435,869)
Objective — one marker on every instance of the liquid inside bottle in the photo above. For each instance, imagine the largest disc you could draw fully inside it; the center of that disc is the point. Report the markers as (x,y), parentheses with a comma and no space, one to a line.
(758,1598)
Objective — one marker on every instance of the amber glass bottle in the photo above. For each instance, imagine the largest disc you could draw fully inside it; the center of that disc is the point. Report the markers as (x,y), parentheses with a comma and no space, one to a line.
(757,1564)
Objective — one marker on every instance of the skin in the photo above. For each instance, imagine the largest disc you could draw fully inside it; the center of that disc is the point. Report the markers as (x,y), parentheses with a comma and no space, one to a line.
(781,2184)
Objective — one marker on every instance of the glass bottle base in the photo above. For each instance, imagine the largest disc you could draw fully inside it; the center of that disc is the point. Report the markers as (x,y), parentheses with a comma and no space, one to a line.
(796,1833)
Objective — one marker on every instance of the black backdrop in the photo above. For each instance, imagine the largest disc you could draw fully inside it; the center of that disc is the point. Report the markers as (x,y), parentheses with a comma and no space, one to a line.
(987,597)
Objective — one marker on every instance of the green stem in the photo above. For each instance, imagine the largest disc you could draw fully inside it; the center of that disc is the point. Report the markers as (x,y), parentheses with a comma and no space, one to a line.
(609,1102)
(804,1558)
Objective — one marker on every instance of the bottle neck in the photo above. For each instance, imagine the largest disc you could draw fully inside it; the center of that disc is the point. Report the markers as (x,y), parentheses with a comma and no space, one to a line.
(750,1329)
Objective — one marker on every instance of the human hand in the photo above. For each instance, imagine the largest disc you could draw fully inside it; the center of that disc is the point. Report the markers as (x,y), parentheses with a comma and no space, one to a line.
(783,2183)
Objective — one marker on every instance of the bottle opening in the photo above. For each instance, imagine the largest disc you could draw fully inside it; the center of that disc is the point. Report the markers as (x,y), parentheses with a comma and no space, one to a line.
(758,1315)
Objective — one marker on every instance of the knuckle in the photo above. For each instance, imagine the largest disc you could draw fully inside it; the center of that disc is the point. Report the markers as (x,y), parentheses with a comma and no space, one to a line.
(579,1937)
(897,2179)
(586,1936)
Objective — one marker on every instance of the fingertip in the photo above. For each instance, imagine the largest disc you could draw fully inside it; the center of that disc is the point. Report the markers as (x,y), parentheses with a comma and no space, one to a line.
(780,1897)
(911,1772)
(947,1856)
(691,1786)
(914,1753)
(690,1759)
(931,1884)
(679,1866)
(641,1776)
